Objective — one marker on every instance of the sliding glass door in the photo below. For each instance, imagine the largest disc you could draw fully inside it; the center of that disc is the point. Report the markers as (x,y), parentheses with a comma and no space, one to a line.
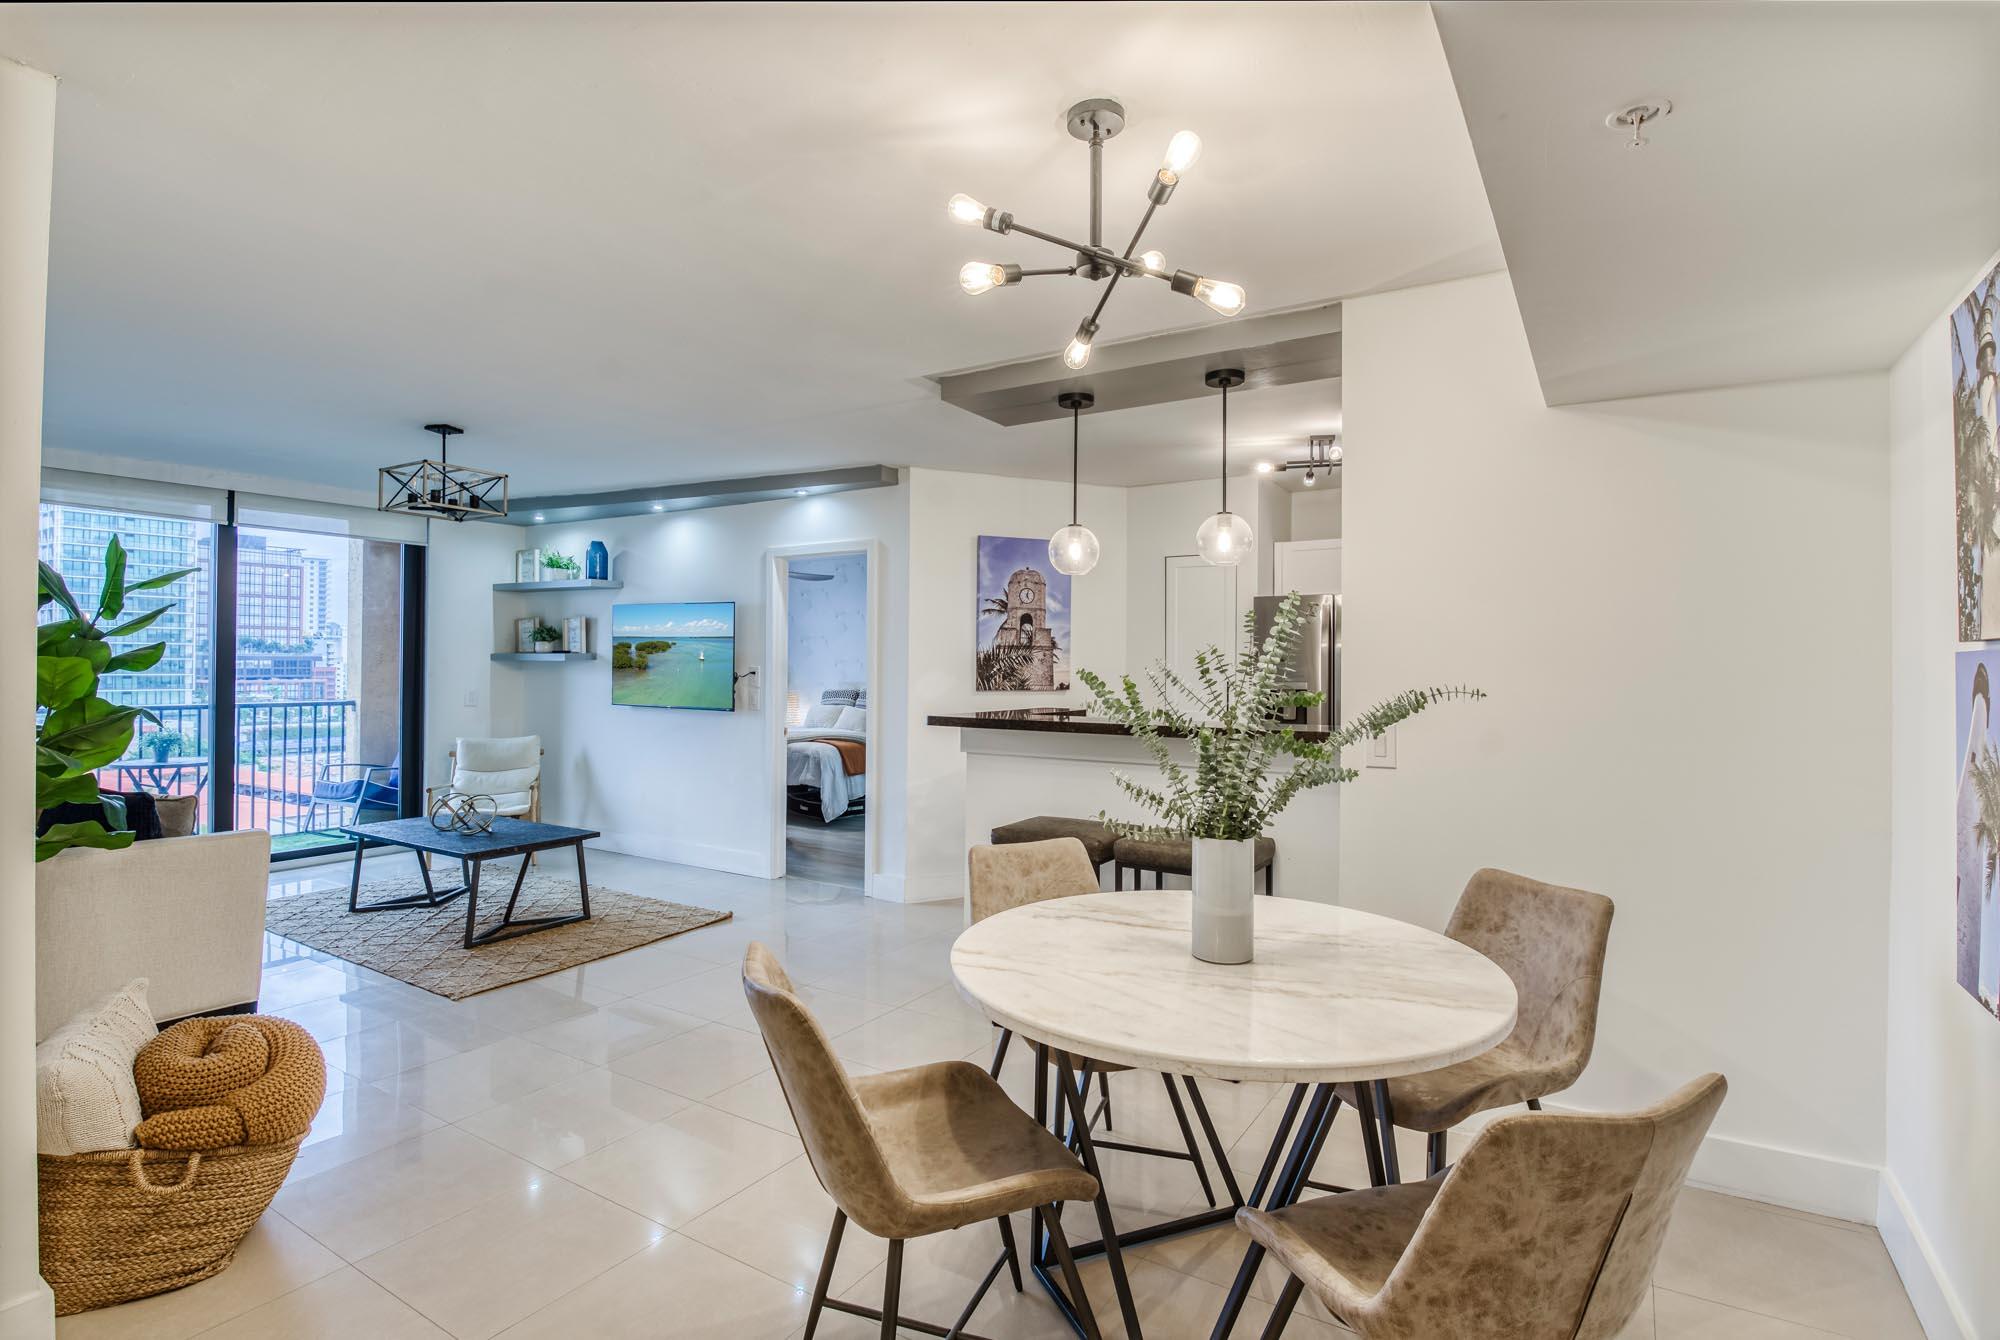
(302,640)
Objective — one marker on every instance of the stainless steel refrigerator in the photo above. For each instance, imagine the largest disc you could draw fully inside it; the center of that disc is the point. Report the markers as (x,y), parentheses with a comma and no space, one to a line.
(1315,659)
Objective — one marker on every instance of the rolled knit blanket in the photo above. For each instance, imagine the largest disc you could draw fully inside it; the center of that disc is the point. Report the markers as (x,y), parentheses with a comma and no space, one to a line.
(213,1083)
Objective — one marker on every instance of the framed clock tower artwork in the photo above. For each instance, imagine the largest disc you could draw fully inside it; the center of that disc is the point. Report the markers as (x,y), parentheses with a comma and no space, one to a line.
(1023,618)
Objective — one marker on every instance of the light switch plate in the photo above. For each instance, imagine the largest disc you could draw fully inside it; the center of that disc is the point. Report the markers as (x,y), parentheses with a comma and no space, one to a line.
(1382,749)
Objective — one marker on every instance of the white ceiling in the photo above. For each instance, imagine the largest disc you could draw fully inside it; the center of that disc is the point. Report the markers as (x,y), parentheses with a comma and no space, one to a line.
(630,244)
(1827,183)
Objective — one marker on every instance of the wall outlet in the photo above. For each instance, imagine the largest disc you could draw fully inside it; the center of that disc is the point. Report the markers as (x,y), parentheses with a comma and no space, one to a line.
(1382,749)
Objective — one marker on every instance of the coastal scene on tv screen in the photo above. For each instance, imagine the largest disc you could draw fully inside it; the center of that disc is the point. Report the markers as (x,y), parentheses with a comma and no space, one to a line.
(674,655)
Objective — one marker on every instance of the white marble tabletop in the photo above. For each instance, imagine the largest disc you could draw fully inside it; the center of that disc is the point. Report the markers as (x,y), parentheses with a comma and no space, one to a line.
(1333,995)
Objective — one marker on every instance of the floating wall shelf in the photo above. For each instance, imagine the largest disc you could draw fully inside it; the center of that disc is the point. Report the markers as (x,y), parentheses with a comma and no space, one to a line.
(533,657)
(578,584)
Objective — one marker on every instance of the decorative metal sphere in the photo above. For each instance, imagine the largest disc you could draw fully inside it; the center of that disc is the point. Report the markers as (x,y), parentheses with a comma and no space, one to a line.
(1073,550)
(457,812)
(1225,539)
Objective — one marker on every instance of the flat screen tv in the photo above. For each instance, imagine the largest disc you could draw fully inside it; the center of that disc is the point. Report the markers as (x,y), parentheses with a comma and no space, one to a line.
(677,655)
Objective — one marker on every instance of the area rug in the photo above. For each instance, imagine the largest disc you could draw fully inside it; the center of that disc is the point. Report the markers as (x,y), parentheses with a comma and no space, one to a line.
(425,946)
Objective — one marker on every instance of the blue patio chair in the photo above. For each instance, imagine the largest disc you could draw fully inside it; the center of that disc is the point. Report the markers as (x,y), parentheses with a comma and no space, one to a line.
(356,787)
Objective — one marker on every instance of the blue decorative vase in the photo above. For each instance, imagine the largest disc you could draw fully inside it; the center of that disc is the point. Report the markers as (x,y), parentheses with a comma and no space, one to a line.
(597,562)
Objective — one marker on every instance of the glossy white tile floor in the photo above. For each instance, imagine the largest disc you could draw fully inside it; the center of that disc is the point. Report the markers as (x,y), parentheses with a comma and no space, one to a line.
(605,1153)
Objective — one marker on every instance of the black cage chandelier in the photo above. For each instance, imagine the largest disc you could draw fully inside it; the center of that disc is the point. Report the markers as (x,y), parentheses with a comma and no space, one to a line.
(438,488)
(1094,121)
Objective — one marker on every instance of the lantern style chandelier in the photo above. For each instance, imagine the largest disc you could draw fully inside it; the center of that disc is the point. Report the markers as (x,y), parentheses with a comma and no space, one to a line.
(1225,538)
(1074,549)
(1094,121)
(438,488)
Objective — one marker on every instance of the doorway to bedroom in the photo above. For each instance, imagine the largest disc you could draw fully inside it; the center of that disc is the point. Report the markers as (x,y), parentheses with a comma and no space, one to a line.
(826,718)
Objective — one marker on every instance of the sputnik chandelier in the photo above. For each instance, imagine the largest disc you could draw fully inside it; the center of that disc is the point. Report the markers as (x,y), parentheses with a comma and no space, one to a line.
(1094,121)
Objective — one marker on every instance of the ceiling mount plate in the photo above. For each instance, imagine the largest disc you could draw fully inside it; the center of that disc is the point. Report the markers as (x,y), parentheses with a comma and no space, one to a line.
(1100,118)
(1224,379)
(1076,400)
(443,429)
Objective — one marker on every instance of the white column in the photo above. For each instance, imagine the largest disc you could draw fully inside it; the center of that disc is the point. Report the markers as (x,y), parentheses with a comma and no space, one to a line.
(27,146)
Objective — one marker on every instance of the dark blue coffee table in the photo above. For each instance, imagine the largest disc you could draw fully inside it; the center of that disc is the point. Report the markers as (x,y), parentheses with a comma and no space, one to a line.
(509,837)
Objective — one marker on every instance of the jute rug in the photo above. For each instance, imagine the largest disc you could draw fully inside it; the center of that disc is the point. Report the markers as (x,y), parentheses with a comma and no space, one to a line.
(425,946)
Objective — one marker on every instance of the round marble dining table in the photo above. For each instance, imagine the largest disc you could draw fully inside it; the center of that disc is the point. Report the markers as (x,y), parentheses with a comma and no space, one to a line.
(1331,996)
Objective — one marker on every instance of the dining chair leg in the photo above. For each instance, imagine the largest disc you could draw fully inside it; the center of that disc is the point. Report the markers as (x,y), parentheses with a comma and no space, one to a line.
(1534,1104)
(1385,1113)
(1013,1252)
(1000,1052)
(1282,1313)
(1187,1134)
(825,1273)
(892,1289)
(1434,1154)
(1078,1300)
(1214,1143)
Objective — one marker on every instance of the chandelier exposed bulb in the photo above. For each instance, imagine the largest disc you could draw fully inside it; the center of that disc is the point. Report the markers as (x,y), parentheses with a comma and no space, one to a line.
(1311,478)
(1220,296)
(1154,261)
(1077,355)
(1182,152)
(964,209)
(982,277)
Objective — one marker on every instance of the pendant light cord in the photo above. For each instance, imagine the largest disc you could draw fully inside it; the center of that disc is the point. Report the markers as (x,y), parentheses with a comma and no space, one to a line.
(1075,412)
(1225,448)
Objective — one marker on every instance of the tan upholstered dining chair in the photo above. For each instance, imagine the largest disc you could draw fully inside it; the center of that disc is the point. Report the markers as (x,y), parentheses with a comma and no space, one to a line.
(1551,941)
(912,1152)
(1548,1226)
(1015,874)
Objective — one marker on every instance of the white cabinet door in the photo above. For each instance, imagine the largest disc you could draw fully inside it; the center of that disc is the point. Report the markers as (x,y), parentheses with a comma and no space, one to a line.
(1308,566)
(1201,610)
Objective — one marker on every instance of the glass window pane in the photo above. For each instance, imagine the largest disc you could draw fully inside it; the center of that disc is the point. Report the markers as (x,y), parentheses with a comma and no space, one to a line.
(172,757)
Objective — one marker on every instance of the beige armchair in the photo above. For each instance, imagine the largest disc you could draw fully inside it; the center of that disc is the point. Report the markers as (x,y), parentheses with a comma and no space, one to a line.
(509,769)
(1549,1225)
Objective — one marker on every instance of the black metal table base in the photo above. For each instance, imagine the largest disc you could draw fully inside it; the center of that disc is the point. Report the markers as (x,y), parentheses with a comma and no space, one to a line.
(509,926)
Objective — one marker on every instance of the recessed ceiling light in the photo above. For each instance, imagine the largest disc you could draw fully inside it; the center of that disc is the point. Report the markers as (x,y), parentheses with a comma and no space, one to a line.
(1264,467)
(538,516)
(800,493)
(659,507)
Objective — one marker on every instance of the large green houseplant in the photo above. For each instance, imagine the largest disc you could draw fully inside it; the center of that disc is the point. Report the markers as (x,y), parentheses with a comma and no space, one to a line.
(79,731)
(1247,764)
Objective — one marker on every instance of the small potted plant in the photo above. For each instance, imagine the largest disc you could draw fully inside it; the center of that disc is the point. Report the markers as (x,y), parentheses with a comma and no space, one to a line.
(163,744)
(546,637)
(562,567)
(1246,765)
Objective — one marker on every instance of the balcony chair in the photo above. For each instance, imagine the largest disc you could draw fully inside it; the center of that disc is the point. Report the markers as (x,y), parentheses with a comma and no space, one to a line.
(357,787)
(913,1152)
(1547,1226)
(1018,873)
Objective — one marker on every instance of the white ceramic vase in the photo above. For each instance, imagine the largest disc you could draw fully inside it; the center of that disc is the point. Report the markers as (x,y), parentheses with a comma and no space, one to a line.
(1224,899)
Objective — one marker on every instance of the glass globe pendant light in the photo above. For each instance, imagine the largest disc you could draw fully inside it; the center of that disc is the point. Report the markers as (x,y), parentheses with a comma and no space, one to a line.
(1225,539)
(1073,550)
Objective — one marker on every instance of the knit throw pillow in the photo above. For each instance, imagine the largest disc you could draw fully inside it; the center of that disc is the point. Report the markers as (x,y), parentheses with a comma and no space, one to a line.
(85,1097)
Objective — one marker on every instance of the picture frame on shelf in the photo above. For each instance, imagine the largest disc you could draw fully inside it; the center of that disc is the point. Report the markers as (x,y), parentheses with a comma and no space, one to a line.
(576,634)
(527,567)
(524,633)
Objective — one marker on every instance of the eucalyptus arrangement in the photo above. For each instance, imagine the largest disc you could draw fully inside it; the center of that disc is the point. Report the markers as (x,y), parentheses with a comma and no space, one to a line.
(78,731)
(1247,766)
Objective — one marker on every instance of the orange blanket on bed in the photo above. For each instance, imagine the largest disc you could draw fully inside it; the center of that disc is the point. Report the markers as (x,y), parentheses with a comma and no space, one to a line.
(853,756)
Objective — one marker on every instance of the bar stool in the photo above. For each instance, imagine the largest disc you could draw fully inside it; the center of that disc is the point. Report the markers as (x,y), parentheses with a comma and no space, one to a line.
(1174,856)
(1097,838)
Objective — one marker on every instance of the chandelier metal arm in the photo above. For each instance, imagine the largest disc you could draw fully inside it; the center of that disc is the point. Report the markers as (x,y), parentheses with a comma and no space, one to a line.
(1105,254)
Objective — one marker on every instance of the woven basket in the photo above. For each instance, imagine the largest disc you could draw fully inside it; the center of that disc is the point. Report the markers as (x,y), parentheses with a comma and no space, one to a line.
(129,1223)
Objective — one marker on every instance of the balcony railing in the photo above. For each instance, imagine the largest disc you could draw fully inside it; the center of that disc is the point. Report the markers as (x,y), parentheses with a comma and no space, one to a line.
(281,750)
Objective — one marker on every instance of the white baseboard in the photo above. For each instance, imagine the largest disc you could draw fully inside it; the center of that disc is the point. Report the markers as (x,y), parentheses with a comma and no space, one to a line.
(734,860)
(1938,1307)
(32,1316)
(916,888)
(1794,1179)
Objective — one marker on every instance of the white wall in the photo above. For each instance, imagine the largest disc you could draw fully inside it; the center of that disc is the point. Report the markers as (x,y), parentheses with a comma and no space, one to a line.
(27,140)
(1164,519)
(1939,1212)
(1677,606)
(827,627)
(465,693)
(1316,513)
(695,787)
(948,512)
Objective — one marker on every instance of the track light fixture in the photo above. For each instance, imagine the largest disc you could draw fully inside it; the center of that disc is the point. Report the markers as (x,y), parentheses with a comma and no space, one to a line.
(1323,456)
(1094,121)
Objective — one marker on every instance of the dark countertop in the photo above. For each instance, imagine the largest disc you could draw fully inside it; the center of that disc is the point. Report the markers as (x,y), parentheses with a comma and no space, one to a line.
(1057,721)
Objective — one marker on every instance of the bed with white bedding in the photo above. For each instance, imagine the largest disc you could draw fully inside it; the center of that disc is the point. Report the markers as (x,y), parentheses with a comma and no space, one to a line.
(811,762)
